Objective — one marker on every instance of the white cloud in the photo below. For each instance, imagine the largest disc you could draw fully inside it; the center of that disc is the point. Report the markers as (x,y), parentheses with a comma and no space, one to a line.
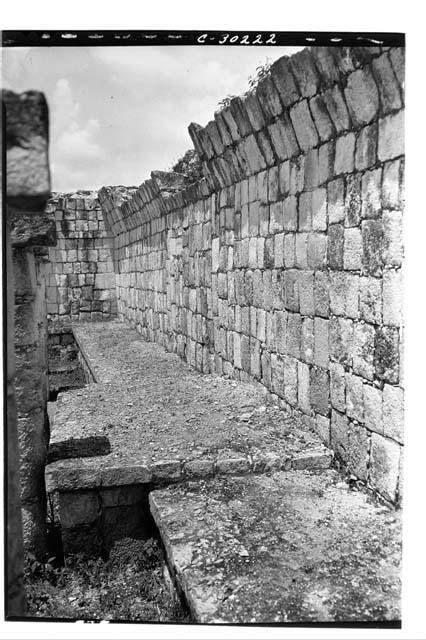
(75,150)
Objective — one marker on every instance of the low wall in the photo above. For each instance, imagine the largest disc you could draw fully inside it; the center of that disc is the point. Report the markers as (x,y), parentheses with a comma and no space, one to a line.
(283,265)
(81,281)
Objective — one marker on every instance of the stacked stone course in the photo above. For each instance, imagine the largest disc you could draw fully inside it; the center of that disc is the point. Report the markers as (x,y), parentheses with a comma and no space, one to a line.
(80,272)
(283,266)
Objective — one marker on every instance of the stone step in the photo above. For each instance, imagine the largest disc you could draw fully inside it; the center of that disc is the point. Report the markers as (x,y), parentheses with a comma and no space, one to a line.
(282,547)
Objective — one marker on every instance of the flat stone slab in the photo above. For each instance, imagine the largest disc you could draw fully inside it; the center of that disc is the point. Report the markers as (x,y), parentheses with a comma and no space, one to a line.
(277,548)
(162,416)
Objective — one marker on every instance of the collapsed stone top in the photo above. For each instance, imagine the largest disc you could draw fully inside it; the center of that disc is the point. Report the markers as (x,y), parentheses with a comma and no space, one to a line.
(28,176)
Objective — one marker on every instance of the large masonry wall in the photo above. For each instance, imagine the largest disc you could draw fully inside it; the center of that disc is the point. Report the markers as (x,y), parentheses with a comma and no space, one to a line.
(81,281)
(283,265)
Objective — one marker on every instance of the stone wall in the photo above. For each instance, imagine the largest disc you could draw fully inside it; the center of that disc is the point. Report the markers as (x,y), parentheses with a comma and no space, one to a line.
(29,232)
(283,265)
(80,273)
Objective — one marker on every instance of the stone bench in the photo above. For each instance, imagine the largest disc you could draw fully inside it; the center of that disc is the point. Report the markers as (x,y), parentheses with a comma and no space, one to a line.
(148,420)
(296,547)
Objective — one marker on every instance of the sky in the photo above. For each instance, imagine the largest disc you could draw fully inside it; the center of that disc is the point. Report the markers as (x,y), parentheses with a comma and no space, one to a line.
(118,113)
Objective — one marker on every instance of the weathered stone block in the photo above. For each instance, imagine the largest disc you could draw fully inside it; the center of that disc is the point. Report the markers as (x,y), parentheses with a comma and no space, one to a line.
(337,386)
(291,290)
(304,126)
(305,73)
(321,350)
(305,211)
(335,240)
(306,292)
(78,507)
(335,201)
(392,229)
(371,193)
(290,380)
(302,250)
(373,246)
(303,393)
(289,213)
(370,299)
(384,465)
(390,99)
(284,81)
(307,340)
(293,334)
(352,255)
(341,340)
(311,170)
(339,435)
(386,354)
(391,136)
(392,298)
(393,412)
(321,294)
(317,250)
(363,350)
(319,209)
(336,107)
(320,390)
(362,97)
(353,200)
(373,408)
(366,147)
(322,118)
(397,56)
(345,151)
(326,155)
(354,397)
(359,450)
(289,250)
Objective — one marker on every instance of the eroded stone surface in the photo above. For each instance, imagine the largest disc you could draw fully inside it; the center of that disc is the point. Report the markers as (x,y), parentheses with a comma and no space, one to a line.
(297,547)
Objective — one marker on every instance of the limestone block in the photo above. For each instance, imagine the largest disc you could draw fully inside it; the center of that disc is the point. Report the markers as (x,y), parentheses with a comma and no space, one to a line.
(336,107)
(283,79)
(322,118)
(371,193)
(341,340)
(269,98)
(305,73)
(390,99)
(345,151)
(359,450)
(306,292)
(321,294)
(353,200)
(337,386)
(373,408)
(362,96)
(392,297)
(304,127)
(363,350)
(293,334)
(393,412)
(339,435)
(254,111)
(366,147)
(386,354)
(307,340)
(391,136)
(392,228)
(303,390)
(321,343)
(370,300)
(311,170)
(373,247)
(335,201)
(384,465)
(335,248)
(320,390)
